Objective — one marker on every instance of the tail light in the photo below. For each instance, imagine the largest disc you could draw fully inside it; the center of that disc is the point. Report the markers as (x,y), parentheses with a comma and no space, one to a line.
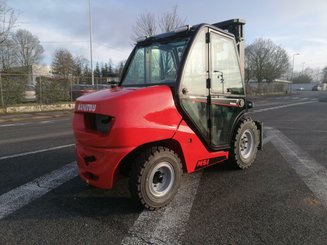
(98,123)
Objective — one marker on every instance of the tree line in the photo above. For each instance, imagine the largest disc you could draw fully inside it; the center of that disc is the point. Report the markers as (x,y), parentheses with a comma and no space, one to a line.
(65,65)
(20,50)
(265,61)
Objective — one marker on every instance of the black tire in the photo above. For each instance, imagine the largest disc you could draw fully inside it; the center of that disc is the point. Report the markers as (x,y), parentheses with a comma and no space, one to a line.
(155,177)
(245,144)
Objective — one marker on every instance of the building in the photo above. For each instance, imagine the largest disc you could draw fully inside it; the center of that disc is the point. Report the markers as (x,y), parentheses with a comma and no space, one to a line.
(38,71)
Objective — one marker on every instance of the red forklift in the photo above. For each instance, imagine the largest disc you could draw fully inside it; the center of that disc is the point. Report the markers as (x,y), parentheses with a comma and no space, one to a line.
(180,106)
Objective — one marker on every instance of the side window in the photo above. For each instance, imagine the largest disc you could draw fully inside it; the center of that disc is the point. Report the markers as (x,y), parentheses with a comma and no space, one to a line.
(193,84)
(151,65)
(195,72)
(163,67)
(136,73)
(226,74)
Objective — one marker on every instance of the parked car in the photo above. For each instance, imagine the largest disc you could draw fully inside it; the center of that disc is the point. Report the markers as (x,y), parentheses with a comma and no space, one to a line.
(317,87)
(78,90)
(82,89)
(29,94)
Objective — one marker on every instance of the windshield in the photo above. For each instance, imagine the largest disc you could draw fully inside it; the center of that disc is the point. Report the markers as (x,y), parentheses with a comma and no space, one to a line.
(156,63)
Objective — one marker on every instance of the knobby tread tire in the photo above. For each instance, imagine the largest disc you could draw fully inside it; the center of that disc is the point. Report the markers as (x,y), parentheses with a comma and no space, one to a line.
(235,157)
(142,166)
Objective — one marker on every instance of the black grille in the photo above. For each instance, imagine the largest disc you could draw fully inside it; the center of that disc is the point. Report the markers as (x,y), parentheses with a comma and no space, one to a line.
(97,122)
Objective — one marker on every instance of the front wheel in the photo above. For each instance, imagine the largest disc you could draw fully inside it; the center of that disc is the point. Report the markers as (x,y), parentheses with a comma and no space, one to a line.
(156,176)
(245,144)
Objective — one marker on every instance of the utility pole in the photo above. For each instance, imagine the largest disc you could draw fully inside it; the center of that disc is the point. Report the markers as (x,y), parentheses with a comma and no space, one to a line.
(91,46)
(1,93)
(293,69)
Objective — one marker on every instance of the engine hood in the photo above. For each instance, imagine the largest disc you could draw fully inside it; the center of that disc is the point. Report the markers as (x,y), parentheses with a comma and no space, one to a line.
(91,101)
(99,101)
(139,115)
(132,102)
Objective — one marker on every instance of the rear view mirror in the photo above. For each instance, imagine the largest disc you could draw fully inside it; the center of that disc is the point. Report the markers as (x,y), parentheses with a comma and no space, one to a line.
(249,104)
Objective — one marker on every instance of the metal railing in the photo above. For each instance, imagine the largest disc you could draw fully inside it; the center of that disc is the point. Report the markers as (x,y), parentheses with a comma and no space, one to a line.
(264,89)
(17,89)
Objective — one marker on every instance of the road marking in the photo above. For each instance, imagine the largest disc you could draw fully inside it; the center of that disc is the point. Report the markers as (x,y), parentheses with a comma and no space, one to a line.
(7,125)
(167,225)
(311,172)
(46,122)
(259,104)
(35,152)
(267,139)
(36,137)
(281,106)
(23,195)
(32,123)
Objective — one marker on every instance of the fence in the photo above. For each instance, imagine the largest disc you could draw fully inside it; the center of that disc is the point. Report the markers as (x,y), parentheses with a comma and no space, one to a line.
(263,89)
(17,89)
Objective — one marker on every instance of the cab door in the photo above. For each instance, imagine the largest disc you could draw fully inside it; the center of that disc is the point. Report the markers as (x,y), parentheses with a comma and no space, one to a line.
(211,93)
(226,88)
(193,91)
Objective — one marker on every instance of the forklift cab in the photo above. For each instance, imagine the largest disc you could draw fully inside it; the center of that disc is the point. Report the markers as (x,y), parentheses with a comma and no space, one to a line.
(186,114)
(202,66)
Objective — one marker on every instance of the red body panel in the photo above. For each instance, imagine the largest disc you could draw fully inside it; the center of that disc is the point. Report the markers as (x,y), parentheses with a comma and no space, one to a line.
(140,116)
(102,172)
(195,154)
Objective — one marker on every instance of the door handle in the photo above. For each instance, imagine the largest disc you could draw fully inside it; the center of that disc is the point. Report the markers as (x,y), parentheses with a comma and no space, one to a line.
(240,102)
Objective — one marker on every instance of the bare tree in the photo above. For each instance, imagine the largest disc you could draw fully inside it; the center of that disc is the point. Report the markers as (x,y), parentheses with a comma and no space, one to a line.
(324,75)
(170,20)
(29,51)
(265,60)
(145,25)
(7,21)
(7,55)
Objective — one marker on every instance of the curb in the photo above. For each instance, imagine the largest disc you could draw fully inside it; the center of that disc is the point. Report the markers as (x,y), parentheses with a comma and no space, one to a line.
(37,108)
(35,112)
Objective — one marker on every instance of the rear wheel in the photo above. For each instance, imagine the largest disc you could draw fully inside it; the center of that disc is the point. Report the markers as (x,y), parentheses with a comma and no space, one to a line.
(245,144)
(155,178)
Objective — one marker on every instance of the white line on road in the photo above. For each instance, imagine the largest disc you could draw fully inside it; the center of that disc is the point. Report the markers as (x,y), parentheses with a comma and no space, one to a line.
(167,225)
(37,137)
(280,107)
(23,195)
(14,124)
(35,152)
(311,172)
(31,123)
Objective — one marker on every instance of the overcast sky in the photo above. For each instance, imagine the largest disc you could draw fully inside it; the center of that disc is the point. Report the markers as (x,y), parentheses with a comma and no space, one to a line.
(299,26)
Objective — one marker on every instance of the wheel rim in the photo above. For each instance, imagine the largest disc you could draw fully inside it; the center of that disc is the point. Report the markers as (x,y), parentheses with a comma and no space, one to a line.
(161,179)
(246,144)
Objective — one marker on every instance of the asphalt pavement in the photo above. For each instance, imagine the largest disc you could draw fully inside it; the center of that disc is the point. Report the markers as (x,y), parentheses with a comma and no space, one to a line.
(281,199)
(33,116)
